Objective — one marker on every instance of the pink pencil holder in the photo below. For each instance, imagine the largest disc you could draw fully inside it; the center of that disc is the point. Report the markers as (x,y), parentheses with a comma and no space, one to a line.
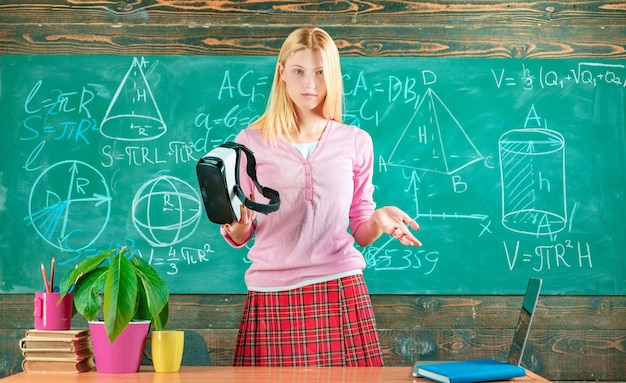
(50,314)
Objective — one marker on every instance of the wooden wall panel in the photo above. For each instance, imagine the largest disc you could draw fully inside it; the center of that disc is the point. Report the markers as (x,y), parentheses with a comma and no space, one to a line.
(573,338)
(394,28)
(235,40)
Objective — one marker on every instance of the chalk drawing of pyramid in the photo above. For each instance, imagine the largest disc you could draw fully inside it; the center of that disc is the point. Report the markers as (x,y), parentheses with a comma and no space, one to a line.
(433,140)
(133,114)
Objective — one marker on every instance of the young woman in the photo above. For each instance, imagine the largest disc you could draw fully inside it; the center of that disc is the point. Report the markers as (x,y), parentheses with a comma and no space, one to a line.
(307,302)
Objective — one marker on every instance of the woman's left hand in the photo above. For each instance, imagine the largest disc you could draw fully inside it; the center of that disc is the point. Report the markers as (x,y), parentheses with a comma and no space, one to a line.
(395,222)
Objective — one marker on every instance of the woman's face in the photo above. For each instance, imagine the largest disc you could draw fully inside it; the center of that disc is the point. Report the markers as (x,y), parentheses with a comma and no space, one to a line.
(303,74)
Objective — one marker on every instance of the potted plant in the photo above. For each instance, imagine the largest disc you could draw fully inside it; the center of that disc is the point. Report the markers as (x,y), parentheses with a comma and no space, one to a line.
(128,292)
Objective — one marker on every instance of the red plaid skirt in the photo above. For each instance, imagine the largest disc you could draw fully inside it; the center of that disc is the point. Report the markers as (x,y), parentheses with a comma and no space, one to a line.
(325,324)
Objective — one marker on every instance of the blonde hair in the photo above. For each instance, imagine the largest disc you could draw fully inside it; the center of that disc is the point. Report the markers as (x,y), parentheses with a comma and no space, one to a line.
(279,119)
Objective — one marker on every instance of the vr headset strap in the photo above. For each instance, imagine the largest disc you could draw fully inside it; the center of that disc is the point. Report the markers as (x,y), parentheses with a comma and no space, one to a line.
(268,193)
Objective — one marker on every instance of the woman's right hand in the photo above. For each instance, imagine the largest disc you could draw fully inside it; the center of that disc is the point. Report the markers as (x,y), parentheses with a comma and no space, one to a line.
(241,231)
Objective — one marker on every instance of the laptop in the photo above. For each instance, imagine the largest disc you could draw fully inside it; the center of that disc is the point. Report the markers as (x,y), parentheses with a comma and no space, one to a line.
(520,337)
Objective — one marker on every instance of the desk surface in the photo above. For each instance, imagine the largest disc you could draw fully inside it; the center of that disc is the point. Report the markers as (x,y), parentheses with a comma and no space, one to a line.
(246,374)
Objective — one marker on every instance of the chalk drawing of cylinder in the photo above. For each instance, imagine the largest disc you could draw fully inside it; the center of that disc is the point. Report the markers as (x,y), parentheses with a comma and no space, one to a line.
(532,172)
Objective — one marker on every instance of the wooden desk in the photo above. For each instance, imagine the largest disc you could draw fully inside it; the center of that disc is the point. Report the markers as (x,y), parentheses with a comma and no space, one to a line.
(246,374)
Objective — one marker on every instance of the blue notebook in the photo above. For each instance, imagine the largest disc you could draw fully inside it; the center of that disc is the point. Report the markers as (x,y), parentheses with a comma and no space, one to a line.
(471,371)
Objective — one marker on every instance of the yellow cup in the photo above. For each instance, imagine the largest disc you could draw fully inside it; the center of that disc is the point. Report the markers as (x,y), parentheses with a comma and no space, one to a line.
(167,350)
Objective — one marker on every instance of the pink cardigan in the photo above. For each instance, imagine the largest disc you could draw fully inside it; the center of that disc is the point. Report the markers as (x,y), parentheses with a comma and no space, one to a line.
(307,240)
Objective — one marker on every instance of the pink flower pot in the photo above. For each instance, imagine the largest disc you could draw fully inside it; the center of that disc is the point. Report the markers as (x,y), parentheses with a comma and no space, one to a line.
(124,354)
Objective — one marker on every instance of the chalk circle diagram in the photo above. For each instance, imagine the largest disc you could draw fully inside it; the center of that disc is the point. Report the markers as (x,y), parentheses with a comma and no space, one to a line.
(133,114)
(433,140)
(166,210)
(532,172)
(69,205)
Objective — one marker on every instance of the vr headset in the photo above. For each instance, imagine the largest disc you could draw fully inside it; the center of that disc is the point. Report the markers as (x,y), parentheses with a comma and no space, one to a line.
(218,175)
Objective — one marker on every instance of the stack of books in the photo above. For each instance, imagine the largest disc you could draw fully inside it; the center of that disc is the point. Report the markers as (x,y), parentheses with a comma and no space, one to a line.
(57,351)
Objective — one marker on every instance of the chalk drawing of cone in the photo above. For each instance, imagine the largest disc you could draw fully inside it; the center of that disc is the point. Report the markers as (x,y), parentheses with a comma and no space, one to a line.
(133,114)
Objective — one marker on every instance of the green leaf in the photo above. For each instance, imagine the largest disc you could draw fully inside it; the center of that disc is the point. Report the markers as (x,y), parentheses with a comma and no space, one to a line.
(120,295)
(143,313)
(154,291)
(162,318)
(87,300)
(87,265)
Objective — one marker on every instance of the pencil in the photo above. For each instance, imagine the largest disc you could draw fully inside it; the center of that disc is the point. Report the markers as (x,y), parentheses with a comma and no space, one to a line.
(45,278)
(52,267)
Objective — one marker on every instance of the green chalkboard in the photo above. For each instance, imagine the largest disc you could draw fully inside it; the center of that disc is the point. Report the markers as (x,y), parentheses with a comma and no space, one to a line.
(514,168)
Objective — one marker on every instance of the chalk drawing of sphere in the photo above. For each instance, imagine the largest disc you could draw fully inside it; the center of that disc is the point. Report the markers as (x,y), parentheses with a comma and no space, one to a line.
(166,211)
